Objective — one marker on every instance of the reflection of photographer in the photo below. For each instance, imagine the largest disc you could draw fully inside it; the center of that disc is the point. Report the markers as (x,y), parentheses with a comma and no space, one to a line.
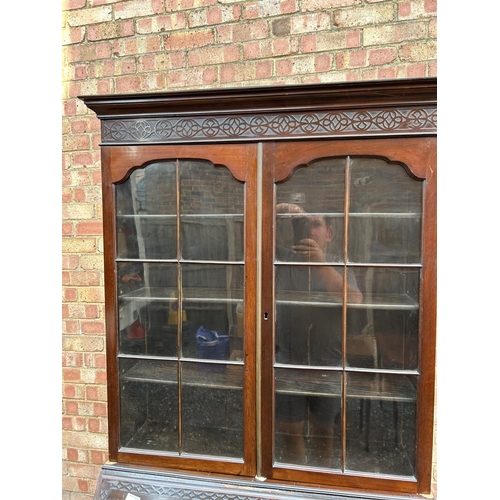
(308,335)
(308,237)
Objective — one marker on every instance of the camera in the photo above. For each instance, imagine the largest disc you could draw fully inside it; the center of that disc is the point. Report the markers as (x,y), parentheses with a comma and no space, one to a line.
(300,229)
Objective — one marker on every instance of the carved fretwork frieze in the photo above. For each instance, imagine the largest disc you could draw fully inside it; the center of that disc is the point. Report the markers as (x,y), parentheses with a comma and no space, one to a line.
(409,121)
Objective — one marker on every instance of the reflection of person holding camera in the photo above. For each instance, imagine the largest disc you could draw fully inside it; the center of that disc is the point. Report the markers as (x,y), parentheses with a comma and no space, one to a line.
(308,335)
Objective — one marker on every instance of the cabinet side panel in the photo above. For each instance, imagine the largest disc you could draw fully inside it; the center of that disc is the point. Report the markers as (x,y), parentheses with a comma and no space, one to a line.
(109,229)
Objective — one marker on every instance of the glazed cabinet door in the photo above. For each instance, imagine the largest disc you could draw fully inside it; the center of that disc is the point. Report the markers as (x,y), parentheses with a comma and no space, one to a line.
(180,254)
(348,258)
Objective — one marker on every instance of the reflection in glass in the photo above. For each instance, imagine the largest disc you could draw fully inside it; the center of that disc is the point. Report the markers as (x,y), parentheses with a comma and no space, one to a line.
(212,238)
(308,318)
(147,295)
(317,192)
(153,314)
(381,305)
(212,410)
(148,415)
(213,300)
(385,213)
(146,213)
(381,423)
(382,331)
(308,406)
(211,213)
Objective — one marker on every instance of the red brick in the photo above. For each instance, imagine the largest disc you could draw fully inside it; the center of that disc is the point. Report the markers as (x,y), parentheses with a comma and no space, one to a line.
(94,425)
(416,70)
(353,39)
(73,4)
(127,84)
(88,228)
(430,5)
(75,142)
(105,86)
(288,6)
(353,76)
(72,408)
(83,485)
(109,68)
(264,70)
(91,311)
(213,55)
(81,72)
(386,73)
(91,393)
(65,278)
(357,58)
(100,409)
(214,16)
(70,295)
(284,67)
(146,64)
(404,9)
(70,327)
(69,391)
(243,32)
(93,327)
(67,195)
(323,62)
(100,377)
(191,39)
(71,374)
(98,457)
(251,11)
(67,423)
(72,454)
(70,261)
(381,56)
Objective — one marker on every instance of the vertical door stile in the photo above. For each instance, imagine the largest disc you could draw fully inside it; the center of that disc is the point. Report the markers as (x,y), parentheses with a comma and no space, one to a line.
(259,313)
(344,309)
(179,305)
(265,304)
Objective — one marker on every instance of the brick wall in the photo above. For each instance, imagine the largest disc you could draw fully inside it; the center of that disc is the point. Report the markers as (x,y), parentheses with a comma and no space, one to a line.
(112,46)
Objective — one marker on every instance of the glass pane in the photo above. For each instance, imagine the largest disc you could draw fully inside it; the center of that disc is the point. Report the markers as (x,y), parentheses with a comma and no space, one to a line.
(381,423)
(211,212)
(308,418)
(385,213)
(212,238)
(146,205)
(212,409)
(310,205)
(382,331)
(308,318)
(147,298)
(213,302)
(149,414)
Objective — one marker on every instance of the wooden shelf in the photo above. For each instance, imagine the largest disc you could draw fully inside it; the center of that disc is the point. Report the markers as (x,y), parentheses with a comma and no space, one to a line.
(376,386)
